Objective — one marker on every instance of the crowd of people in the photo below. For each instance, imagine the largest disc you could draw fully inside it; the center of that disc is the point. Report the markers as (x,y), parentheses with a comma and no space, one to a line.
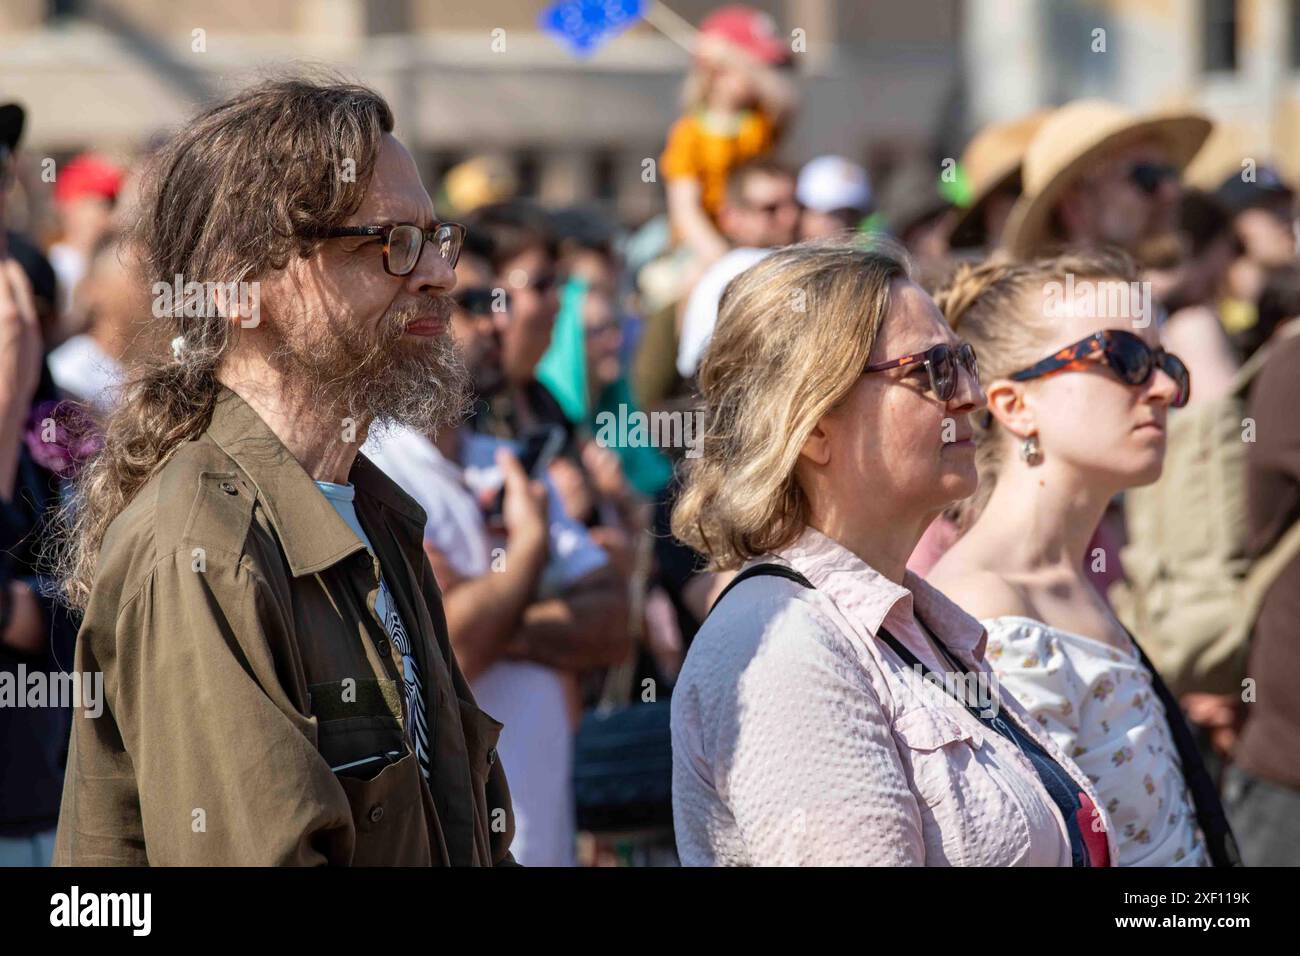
(333,494)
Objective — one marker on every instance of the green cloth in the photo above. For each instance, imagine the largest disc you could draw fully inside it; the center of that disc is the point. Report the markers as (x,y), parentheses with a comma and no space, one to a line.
(646,467)
(563,371)
(957,191)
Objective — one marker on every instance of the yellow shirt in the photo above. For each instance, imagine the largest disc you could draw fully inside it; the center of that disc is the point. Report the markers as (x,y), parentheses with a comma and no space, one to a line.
(694,151)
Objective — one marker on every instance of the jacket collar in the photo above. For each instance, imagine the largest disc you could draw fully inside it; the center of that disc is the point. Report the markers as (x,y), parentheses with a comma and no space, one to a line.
(311,532)
(864,594)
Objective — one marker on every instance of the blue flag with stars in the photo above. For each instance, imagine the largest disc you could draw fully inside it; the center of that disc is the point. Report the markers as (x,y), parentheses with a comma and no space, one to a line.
(584,25)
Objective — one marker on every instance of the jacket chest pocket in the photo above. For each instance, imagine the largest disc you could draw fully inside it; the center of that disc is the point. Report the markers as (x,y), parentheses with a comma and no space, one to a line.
(358,725)
(360,736)
(388,814)
(969,816)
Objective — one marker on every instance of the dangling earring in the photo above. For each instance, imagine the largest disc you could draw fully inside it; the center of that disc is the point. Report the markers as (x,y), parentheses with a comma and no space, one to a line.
(1030,450)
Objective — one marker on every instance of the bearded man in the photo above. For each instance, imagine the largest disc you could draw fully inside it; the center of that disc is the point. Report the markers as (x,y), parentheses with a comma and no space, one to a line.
(279,684)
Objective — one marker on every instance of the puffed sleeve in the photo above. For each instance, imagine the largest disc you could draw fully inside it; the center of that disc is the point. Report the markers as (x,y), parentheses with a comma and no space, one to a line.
(1033,668)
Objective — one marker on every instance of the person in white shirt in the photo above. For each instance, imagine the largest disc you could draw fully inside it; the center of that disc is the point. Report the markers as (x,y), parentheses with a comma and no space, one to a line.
(84,193)
(1053,451)
(528,606)
(834,195)
(759,214)
(91,366)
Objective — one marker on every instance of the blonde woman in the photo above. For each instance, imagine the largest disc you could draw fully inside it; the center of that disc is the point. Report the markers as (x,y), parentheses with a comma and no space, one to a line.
(804,732)
(1077,405)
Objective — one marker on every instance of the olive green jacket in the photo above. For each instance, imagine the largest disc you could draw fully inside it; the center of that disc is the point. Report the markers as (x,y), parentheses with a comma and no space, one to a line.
(245,668)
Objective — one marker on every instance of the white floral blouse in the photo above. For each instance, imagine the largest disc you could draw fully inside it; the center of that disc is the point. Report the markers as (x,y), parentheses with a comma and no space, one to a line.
(1097,703)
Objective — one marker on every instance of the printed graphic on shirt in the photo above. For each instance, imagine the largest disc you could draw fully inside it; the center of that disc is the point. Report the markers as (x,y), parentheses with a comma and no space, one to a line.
(417,731)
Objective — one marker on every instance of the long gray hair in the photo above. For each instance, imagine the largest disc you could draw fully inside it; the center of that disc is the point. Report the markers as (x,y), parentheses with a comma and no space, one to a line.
(224,201)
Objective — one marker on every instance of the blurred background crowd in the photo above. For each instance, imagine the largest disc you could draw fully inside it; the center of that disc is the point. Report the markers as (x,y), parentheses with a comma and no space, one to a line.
(610,198)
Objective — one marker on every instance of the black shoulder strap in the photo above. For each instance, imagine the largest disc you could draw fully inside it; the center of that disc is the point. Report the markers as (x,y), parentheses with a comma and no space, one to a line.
(760,570)
(1219,839)
(790,574)
(919,666)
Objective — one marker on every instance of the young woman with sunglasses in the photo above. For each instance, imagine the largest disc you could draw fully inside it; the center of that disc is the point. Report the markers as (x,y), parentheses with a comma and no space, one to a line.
(806,729)
(1077,406)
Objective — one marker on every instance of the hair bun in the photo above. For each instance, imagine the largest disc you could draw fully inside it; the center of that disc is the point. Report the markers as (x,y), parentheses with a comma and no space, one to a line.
(967,284)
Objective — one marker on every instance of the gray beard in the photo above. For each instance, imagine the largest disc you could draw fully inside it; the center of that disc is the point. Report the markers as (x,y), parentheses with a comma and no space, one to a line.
(385,381)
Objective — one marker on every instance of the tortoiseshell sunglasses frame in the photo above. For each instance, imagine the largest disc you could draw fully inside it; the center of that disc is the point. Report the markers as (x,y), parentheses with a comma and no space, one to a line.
(1096,350)
(963,356)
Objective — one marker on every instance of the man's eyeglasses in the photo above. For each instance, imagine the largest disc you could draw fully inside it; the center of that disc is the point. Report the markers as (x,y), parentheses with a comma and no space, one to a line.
(942,363)
(1149,177)
(481,300)
(404,242)
(1128,356)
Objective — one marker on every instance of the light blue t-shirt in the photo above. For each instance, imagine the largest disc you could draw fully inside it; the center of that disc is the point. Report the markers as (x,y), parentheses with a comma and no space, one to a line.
(342,498)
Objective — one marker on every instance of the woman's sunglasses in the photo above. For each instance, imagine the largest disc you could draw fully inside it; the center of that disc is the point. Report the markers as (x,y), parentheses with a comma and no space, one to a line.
(1127,355)
(942,363)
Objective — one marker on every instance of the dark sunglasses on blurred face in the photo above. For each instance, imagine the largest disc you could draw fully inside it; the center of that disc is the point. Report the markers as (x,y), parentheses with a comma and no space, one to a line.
(540,282)
(1128,356)
(772,208)
(481,300)
(1149,177)
(942,362)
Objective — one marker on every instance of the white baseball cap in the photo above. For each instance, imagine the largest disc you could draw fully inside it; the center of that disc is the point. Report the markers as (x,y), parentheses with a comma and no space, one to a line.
(829,183)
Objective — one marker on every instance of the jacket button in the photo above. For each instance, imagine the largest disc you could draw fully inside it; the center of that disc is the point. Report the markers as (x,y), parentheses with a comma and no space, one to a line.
(492,756)
(376,813)
(229,488)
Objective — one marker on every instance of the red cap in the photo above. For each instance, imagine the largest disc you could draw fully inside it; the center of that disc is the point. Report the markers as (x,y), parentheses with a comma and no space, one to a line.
(87,175)
(751,30)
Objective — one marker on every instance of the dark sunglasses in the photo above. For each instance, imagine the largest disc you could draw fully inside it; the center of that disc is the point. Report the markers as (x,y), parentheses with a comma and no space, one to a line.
(480,300)
(404,242)
(772,208)
(1127,355)
(1149,177)
(942,363)
(542,282)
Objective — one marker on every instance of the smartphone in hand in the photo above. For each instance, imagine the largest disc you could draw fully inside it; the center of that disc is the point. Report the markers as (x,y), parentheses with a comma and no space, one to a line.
(537,449)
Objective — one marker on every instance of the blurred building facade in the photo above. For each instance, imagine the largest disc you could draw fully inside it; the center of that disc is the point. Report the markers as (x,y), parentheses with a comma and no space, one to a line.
(1236,60)
(877,77)
(470,77)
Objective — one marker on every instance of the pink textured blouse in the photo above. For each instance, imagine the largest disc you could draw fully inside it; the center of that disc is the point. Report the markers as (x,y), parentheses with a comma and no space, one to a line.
(799,738)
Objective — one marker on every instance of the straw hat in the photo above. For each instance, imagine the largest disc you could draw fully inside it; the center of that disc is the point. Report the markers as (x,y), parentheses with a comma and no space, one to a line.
(478,181)
(992,160)
(1070,140)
